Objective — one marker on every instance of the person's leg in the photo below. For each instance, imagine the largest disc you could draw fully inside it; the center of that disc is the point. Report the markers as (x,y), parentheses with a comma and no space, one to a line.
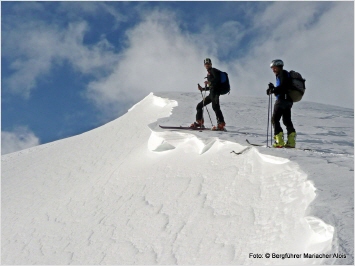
(276,117)
(278,132)
(199,109)
(217,108)
(286,118)
(291,132)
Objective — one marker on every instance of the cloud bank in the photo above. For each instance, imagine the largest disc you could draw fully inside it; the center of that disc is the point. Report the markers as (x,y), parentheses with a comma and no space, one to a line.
(33,47)
(161,56)
(318,42)
(161,53)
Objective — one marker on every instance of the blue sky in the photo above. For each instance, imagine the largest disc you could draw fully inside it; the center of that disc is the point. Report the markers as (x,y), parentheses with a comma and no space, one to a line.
(69,67)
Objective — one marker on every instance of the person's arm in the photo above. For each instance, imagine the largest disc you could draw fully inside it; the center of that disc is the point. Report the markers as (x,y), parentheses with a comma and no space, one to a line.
(215,78)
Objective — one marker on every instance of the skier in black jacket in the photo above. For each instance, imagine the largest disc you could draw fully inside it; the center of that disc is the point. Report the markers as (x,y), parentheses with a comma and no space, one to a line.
(282,107)
(212,84)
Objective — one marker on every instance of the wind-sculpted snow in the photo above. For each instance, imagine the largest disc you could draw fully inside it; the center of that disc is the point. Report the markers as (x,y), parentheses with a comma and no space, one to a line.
(250,203)
(131,193)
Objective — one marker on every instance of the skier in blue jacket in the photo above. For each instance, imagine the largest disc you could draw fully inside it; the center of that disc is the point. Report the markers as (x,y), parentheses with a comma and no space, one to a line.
(282,107)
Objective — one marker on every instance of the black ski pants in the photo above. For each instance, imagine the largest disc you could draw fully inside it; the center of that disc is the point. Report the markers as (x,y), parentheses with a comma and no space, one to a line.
(282,108)
(214,99)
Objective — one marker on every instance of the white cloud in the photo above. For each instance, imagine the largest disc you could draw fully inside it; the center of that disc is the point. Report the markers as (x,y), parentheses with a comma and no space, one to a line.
(159,57)
(35,47)
(222,39)
(19,139)
(317,41)
(318,45)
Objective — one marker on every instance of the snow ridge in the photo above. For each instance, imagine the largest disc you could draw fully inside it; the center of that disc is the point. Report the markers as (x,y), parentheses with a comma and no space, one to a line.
(129,193)
(256,202)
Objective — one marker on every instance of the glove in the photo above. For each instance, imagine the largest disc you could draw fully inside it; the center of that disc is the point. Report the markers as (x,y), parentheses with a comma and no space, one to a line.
(199,87)
(271,89)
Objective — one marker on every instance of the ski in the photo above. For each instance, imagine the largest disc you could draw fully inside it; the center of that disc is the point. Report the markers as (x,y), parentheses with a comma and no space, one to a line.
(184,128)
(200,129)
(192,128)
(261,145)
(300,149)
(254,144)
(224,130)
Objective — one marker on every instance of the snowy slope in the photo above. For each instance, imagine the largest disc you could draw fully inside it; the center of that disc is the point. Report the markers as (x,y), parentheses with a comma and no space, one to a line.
(129,192)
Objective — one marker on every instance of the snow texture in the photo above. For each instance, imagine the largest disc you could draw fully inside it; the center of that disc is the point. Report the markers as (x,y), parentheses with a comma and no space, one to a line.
(129,192)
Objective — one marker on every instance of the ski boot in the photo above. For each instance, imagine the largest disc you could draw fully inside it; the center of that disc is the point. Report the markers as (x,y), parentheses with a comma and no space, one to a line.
(198,124)
(291,140)
(279,140)
(220,127)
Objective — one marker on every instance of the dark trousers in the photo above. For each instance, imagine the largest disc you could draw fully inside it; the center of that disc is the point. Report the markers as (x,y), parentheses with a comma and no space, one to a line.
(214,99)
(282,108)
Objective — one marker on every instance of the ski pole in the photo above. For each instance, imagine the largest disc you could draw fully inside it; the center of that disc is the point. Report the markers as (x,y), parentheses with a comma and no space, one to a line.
(271,125)
(268,120)
(203,103)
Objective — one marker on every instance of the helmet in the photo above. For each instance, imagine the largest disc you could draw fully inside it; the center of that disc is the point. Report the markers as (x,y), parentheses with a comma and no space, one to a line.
(277,62)
(207,61)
